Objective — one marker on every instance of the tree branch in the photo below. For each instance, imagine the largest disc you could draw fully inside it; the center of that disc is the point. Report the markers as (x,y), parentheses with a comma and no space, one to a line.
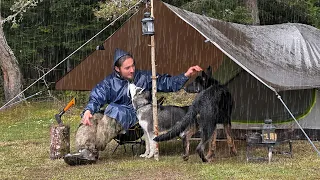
(19,7)
(110,10)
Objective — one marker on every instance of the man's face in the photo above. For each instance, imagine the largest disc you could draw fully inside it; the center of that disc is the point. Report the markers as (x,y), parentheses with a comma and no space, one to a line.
(127,69)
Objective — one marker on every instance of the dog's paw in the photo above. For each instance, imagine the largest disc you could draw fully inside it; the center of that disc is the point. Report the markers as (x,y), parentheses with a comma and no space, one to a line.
(233,153)
(210,156)
(150,155)
(144,155)
(185,157)
(210,160)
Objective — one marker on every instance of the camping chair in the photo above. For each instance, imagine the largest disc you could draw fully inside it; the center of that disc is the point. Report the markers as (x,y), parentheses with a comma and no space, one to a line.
(131,136)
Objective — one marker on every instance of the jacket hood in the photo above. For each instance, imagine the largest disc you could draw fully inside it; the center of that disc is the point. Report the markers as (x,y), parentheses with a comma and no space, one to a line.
(119,53)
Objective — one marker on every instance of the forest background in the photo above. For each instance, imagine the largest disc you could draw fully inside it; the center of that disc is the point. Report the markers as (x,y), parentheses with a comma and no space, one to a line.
(36,37)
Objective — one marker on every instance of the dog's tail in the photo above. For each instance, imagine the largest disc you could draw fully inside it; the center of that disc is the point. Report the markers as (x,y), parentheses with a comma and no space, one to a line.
(189,119)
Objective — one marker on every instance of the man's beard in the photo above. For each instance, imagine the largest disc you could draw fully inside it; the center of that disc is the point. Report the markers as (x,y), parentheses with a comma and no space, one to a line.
(128,79)
(132,78)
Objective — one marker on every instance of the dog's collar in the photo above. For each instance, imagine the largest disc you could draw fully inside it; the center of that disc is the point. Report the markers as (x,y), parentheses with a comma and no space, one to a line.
(142,105)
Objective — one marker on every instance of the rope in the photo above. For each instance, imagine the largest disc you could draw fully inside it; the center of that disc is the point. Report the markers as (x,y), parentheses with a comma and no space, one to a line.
(71,54)
(38,93)
(305,134)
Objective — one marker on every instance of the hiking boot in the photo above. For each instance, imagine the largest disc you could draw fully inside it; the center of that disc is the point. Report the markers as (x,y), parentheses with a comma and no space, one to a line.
(83,157)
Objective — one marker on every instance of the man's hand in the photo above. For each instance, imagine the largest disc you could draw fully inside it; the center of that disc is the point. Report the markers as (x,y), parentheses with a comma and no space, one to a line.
(86,118)
(192,71)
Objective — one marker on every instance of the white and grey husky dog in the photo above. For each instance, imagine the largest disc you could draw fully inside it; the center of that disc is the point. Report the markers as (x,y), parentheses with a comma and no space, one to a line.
(168,116)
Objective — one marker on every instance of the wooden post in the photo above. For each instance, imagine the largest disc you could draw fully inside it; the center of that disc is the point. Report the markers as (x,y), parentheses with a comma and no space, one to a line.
(154,90)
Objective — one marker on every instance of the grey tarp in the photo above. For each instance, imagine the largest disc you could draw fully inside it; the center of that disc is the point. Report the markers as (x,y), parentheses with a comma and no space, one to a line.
(284,56)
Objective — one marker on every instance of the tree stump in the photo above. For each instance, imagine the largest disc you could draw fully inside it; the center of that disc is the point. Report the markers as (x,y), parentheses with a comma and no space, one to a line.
(60,141)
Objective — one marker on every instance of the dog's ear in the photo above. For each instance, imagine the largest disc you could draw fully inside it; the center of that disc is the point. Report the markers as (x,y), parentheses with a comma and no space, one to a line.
(140,90)
(147,94)
(209,71)
(204,76)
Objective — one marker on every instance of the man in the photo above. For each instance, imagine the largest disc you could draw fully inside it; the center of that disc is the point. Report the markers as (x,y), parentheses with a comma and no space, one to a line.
(95,130)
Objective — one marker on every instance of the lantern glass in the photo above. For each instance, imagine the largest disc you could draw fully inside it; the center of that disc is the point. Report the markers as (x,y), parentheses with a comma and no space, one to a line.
(144,28)
(150,26)
(268,132)
(147,24)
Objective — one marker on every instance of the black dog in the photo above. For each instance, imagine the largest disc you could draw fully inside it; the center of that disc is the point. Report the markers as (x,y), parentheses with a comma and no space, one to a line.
(212,106)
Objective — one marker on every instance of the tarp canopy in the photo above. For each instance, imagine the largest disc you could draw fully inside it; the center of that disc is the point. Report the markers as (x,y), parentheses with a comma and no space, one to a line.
(285,56)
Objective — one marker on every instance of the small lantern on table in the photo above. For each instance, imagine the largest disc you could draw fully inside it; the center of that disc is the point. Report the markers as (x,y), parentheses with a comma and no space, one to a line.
(269,132)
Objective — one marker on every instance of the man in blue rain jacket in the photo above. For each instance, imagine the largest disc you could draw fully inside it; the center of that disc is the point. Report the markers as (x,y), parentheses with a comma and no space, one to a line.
(95,130)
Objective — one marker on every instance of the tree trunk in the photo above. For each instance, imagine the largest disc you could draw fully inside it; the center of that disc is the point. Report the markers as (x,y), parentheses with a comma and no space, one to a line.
(252,5)
(12,77)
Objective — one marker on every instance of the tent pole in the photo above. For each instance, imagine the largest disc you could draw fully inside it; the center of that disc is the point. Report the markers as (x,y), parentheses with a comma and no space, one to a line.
(154,91)
(305,134)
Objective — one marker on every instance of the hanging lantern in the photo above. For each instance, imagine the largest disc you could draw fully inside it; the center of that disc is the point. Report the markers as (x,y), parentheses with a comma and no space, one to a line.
(269,132)
(147,24)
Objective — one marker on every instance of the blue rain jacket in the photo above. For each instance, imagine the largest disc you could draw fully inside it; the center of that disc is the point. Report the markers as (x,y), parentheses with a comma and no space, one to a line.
(113,90)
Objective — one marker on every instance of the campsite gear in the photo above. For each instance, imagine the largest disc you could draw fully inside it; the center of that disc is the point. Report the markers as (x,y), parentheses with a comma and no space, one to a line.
(265,137)
(60,135)
(251,145)
(58,116)
(254,138)
(83,157)
(130,136)
(269,132)
(133,135)
(147,24)
(254,142)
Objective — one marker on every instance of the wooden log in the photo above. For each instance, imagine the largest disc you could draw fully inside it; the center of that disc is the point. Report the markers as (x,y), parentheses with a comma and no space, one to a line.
(59,141)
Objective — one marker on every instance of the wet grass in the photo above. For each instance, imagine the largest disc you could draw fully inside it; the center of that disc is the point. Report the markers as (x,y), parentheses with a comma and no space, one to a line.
(25,140)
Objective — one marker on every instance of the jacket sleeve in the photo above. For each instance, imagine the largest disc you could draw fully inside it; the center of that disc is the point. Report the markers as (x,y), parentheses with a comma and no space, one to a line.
(99,96)
(167,83)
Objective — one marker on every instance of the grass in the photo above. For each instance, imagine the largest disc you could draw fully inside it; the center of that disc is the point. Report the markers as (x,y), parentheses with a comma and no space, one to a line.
(25,141)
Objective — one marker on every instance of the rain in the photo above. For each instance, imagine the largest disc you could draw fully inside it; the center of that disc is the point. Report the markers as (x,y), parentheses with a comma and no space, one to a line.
(265,53)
